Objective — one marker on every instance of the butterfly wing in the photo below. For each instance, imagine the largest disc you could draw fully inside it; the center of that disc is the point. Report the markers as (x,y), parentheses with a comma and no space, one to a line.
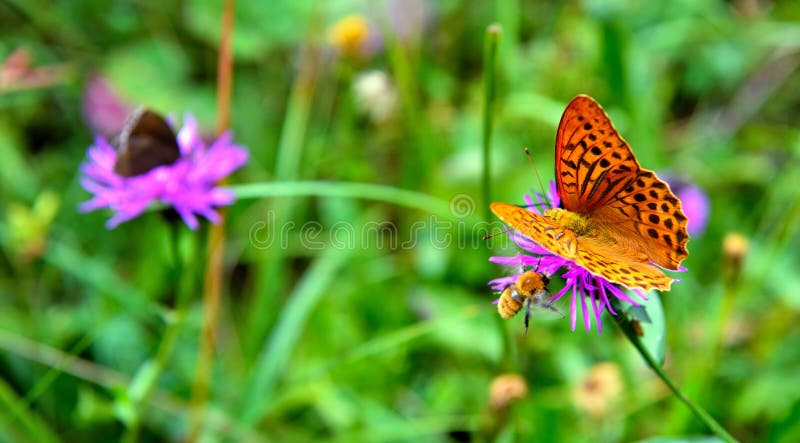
(646,217)
(593,163)
(606,261)
(146,142)
(599,258)
(543,230)
(599,177)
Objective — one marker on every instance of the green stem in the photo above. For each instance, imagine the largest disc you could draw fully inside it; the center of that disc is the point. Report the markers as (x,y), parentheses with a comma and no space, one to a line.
(147,377)
(511,353)
(624,324)
(489,60)
(490,48)
(321,188)
(276,352)
(271,276)
(13,410)
(212,282)
(403,62)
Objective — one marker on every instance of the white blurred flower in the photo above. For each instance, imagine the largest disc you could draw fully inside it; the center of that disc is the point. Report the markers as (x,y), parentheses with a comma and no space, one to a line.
(375,95)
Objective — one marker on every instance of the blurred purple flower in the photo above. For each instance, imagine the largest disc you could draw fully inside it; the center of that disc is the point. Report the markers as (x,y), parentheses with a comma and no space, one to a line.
(588,290)
(404,20)
(408,18)
(189,185)
(695,202)
(104,111)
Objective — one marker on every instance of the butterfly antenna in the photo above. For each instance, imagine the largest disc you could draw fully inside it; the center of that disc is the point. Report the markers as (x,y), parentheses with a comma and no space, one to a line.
(487,237)
(535,171)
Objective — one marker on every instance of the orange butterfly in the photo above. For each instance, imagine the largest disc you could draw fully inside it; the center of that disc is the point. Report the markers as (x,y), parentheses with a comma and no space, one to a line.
(616,220)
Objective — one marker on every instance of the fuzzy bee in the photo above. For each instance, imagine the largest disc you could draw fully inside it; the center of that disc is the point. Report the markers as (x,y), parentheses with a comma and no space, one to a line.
(529,289)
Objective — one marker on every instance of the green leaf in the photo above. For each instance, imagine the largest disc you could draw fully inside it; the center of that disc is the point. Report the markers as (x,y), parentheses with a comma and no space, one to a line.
(651,316)
(639,313)
(682,440)
(18,422)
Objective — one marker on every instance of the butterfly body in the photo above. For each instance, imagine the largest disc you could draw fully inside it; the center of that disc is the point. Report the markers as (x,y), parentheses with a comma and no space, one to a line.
(618,220)
(575,222)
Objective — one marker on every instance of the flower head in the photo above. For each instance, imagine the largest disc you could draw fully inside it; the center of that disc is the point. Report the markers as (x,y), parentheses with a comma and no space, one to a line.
(375,95)
(506,389)
(103,109)
(599,390)
(589,293)
(350,35)
(189,184)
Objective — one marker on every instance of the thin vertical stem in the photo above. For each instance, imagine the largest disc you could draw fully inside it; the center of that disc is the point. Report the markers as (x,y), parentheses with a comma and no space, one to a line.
(491,44)
(625,325)
(216,236)
(287,167)
(489,60)
(404,69)
(141,387)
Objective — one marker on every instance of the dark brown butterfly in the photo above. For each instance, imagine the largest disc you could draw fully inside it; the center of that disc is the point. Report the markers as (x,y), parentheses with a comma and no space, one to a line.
(145,142)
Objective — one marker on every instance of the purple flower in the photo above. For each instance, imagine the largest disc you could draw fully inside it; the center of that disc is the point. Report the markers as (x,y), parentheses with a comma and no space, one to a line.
(103,110)
(408,18)
(403,20)
(588,292)
(189,184)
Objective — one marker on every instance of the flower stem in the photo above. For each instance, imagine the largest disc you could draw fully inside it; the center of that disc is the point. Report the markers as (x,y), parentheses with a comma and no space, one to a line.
(216,237)
(489,59)
(322,188)
(276,351)
(272,271)
(625,325)
(146,379)
(404,64)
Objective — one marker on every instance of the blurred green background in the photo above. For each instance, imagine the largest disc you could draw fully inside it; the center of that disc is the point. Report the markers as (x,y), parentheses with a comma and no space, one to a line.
(392,337)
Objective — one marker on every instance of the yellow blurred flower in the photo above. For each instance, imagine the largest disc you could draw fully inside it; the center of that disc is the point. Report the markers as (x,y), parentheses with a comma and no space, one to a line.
(734,250)
(29,227)
(506,389)
(349,35)
(599,389)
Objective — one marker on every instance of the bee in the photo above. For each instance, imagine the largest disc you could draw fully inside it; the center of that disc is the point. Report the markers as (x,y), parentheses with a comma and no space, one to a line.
(529,289)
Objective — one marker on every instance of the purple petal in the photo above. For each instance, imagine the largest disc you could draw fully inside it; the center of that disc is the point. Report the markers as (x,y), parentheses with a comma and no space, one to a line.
(189,138)
(596,310)
(573,311)
(587,323)
(498,284)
